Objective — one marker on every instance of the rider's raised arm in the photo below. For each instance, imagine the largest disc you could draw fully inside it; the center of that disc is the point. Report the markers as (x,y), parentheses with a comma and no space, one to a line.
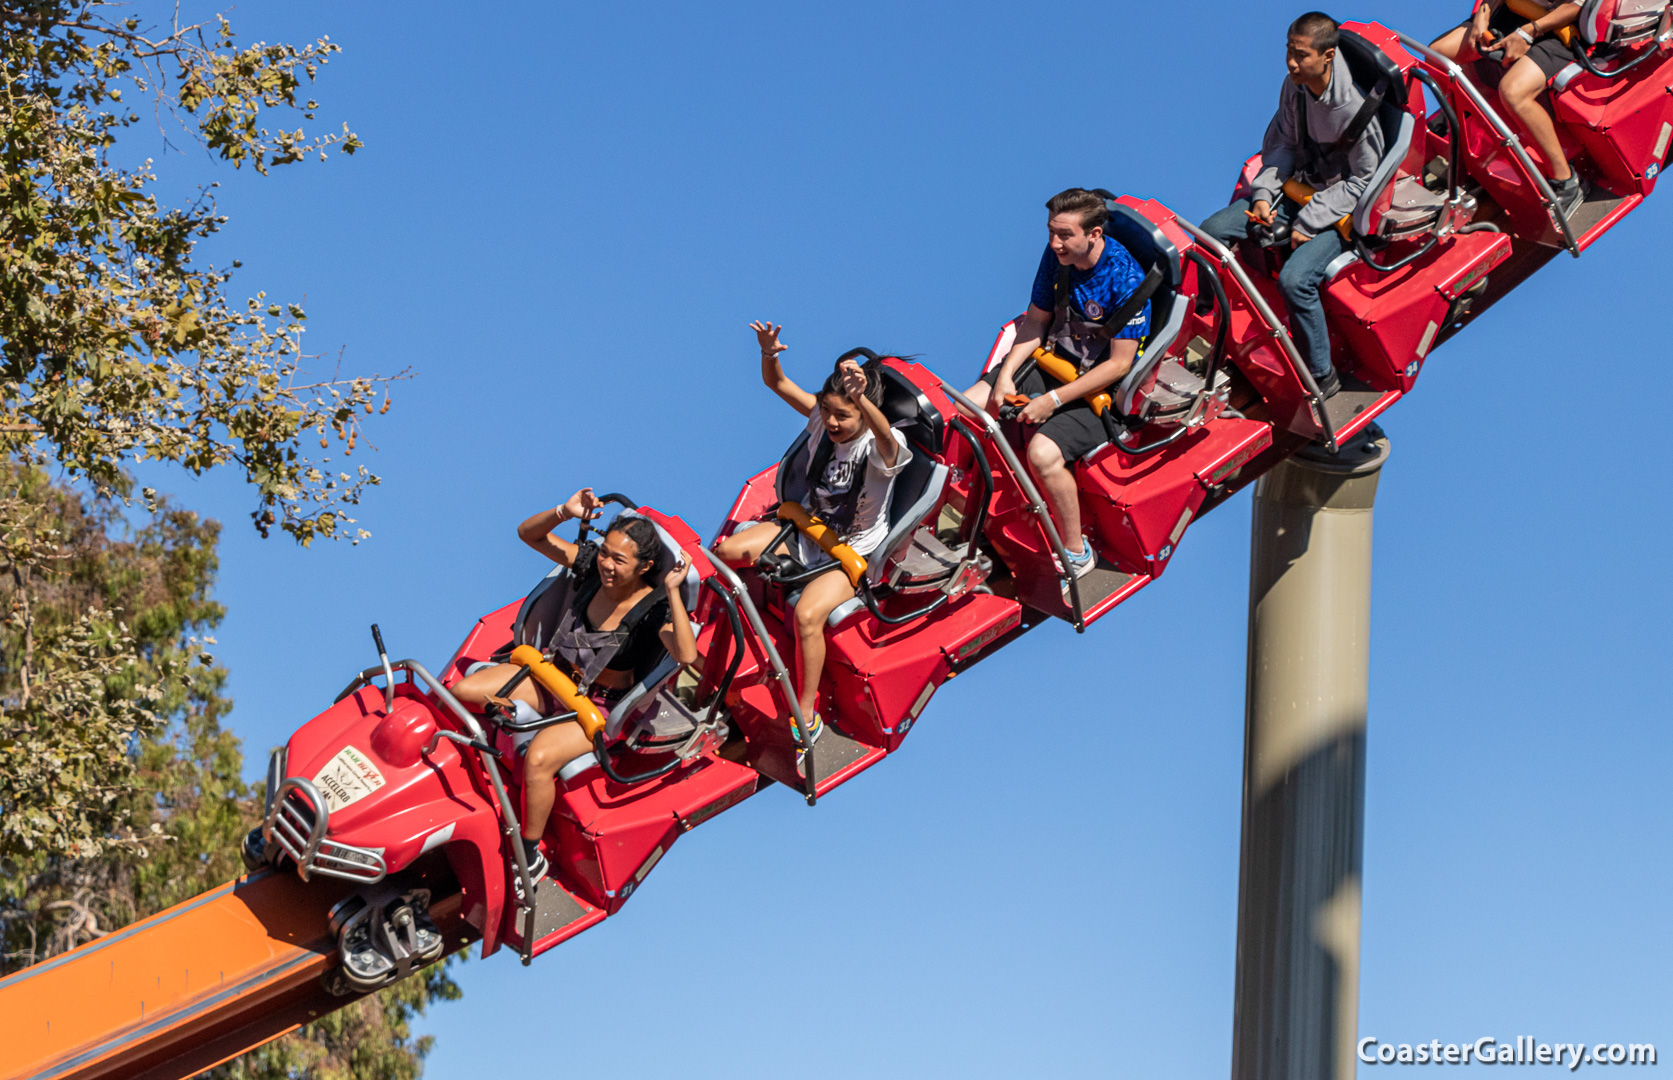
(854,382)
(676,634)
(537,530)
(772,372)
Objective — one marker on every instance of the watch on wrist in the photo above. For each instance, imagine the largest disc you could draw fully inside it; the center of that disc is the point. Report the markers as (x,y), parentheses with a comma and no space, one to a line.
(1522,32)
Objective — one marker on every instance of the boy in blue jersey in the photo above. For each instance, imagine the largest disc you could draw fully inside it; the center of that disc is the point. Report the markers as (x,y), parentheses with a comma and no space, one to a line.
(1078,310)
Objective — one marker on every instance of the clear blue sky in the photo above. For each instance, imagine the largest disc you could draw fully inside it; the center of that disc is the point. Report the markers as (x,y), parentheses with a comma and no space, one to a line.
(563,219)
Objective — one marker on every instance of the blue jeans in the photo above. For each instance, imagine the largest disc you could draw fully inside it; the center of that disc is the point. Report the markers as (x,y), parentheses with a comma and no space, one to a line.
(1299,281)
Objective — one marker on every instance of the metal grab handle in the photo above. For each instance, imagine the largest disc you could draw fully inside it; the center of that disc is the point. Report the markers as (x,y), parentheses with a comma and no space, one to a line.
(1274,327)
(780,674)
(1507,137)
(1032,494)
(462,740)
(388,675)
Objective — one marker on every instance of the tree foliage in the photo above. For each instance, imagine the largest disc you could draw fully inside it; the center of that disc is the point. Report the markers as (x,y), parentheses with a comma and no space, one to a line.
(141,605)
(120,791)
(115,347)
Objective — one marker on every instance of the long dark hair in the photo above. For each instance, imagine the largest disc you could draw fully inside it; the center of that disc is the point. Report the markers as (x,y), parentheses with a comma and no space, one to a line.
(646,543)
(872,369)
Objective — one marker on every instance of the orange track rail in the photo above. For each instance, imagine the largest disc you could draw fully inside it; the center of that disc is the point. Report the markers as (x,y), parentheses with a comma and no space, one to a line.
(184,990)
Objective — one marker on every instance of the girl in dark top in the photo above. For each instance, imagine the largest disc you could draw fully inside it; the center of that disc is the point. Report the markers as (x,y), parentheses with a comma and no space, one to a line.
(611,580)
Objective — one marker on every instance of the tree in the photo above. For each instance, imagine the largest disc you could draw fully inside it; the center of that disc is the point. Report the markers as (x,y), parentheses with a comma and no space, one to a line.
(120,792)
(114,346)
(146,599)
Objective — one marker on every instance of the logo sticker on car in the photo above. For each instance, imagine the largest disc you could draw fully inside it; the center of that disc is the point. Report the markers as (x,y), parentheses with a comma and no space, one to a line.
(347,778)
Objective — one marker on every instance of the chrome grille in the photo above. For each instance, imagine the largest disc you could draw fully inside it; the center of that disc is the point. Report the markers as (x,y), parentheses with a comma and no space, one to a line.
(297,821)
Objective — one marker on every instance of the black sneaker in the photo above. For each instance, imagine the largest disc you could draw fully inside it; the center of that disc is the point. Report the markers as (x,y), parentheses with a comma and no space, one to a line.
(538,868)
(1570,194)
(1329,383)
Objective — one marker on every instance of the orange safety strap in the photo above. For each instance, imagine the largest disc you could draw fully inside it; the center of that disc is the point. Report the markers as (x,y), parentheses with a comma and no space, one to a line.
(1065,372)
(826,537)
(560,686)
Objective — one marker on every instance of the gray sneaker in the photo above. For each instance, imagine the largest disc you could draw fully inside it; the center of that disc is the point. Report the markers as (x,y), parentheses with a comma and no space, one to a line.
(1570,194)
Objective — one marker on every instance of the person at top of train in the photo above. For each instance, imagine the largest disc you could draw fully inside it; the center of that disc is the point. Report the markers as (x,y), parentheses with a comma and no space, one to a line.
(1533,55)
(1320,138)
(1079,309)
(854,457)
(616,623)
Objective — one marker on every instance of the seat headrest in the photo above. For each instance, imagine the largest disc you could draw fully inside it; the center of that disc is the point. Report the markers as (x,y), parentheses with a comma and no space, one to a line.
(1144,240)
(1369,63)
(906,407)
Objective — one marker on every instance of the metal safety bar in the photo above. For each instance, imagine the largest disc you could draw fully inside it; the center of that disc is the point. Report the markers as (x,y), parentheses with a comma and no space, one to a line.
(780,674)
(1276,329)
(1036,504)
(1507,137)
(508,816)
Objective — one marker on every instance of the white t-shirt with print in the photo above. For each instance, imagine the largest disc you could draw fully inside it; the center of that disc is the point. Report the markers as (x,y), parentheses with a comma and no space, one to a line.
(871,515)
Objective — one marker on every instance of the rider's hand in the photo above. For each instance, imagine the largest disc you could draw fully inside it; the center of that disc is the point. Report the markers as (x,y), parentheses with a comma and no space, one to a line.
(853,380)
(676,576)
(583,504)
(1478,37)
(1037,411)
(767,335)
(1515,47)
(1263,211)
(1297,238)
(1002,389)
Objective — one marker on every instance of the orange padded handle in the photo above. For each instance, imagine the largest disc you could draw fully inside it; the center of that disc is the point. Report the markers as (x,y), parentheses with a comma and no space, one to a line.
(560,686)
(1064,372)
(826,537)
(1301,194)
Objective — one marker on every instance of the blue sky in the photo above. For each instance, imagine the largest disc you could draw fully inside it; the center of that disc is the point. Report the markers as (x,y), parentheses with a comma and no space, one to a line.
(562,221)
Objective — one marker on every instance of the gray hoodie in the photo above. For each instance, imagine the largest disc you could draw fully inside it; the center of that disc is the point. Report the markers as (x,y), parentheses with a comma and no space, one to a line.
(1342,178)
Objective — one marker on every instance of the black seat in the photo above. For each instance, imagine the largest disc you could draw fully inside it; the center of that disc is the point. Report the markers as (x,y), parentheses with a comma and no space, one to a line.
(1151,249)
(1369,65)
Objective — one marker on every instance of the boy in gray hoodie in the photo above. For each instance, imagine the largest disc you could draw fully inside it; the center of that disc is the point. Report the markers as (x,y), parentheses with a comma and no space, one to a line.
(1306,142)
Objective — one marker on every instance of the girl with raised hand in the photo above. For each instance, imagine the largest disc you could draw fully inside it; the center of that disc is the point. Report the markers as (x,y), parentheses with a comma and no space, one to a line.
(854,457)
(612,628)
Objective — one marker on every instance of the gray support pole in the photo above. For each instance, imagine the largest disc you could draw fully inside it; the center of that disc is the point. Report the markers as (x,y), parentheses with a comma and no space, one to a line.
(1297,1006)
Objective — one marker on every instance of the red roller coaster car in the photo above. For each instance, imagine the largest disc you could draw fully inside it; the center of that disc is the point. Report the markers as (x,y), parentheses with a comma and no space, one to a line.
(407,793)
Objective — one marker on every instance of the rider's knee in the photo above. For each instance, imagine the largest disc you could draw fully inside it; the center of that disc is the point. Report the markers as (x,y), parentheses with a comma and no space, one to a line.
(809,619)
(1044,454)
(1297,284)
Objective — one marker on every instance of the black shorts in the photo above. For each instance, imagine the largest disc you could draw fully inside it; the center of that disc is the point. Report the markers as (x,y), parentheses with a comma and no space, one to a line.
(1075,428)
(1548,51)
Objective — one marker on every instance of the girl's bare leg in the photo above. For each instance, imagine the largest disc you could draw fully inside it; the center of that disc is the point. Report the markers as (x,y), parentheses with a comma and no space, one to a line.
(475,689)
(819,598)
(746,545)
(551,750)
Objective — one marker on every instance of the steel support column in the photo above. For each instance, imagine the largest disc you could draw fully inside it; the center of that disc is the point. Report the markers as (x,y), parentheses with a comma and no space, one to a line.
(1297,1005)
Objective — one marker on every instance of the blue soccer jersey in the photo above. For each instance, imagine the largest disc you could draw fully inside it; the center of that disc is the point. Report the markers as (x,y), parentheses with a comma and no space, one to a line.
(1098,291)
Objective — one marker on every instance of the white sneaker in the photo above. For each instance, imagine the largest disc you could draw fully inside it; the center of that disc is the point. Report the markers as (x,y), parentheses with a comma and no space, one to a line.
(1086,562)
